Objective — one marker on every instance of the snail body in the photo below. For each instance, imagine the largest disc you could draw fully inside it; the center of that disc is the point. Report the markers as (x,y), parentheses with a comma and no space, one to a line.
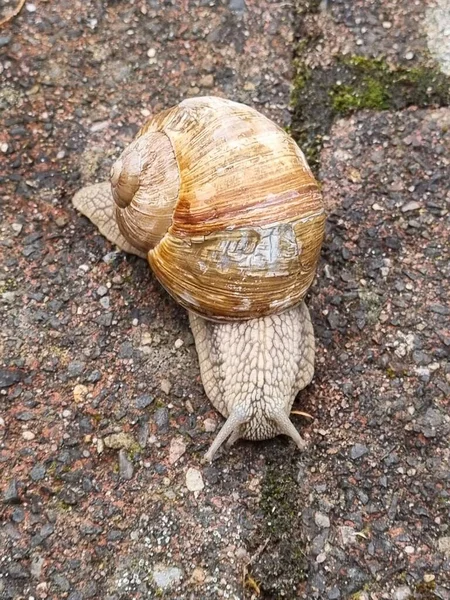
(222,203)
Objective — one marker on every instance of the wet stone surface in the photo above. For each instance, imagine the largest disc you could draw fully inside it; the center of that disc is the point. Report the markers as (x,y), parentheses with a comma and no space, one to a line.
(103,419)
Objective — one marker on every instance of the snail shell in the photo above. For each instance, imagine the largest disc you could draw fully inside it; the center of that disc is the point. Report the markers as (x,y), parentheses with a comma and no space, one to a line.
(226,207)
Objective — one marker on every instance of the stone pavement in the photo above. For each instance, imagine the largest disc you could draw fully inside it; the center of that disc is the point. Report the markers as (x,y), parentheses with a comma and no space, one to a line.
(103,420)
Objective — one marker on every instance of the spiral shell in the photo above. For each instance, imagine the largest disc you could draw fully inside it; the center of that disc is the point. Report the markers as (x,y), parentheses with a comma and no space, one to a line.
(226,206)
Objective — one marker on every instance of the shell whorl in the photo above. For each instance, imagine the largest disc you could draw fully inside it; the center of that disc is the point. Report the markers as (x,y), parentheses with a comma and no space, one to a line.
(145,182)
(125,178)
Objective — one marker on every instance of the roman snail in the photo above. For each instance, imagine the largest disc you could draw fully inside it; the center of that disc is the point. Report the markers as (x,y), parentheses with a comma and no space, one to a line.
(222,203)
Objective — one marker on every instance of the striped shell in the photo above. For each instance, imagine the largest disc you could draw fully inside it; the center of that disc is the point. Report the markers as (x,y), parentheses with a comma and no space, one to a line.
(223,201)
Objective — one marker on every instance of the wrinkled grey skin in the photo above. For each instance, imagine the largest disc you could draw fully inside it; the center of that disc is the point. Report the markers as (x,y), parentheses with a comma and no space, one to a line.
(251,370)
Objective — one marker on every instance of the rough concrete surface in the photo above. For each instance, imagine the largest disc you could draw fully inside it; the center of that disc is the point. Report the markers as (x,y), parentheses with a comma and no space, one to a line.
(103,419)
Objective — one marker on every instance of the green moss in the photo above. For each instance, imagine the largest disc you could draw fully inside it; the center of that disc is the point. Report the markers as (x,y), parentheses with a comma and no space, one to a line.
(374,85)
(282,566)
(369,94)
(134,452)
(9,285)
(424,591)
(278,500)
(300,81)
(350,84)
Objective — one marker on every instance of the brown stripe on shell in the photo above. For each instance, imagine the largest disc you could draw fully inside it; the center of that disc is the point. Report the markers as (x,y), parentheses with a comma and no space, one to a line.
(243,273)
(237,168)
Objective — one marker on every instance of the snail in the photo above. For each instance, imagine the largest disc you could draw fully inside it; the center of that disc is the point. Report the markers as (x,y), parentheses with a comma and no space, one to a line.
(222,203)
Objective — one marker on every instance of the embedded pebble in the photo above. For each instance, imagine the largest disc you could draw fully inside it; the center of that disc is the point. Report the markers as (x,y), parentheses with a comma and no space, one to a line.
(161,418)
(194,480)
(143,401)
(198,576)
(38,472)
(402,593)
(209,425)
(358,450)
(105,302)
(178,343)
(444,545)
(126,468)
(166,386)
(102,290)
(79,392)
(321,520)
(76,368)
(11,494)
(165,577)
(410,206)
(176,449)
(117,441)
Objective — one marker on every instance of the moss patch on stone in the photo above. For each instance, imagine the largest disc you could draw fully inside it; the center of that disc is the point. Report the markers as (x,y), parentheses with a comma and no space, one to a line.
(374,85)
(282,566)
(424,591)
(354,83)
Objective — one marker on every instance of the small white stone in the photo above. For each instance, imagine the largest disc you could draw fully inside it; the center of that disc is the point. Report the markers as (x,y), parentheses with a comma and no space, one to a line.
(402,593)
(102,290)
(151,52)
(79,392)
(135,322)
(165,577)
(198,576)
(409,206)
(178,343)
(322,520)
(66,413)
(387,24)
(409,549)
(17,227)
(105,301)
(166,386)
(146,339)
(176,449)
(28,435)
(348,535)
(429,577)
(210,425)
(409,55)
(444,546)
(61,154)
(194,480)
(4,147)
(377,206)
(31,8)
(321,557)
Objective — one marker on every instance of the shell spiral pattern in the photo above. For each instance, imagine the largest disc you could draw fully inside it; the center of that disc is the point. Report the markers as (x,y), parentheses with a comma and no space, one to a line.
(223,201)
